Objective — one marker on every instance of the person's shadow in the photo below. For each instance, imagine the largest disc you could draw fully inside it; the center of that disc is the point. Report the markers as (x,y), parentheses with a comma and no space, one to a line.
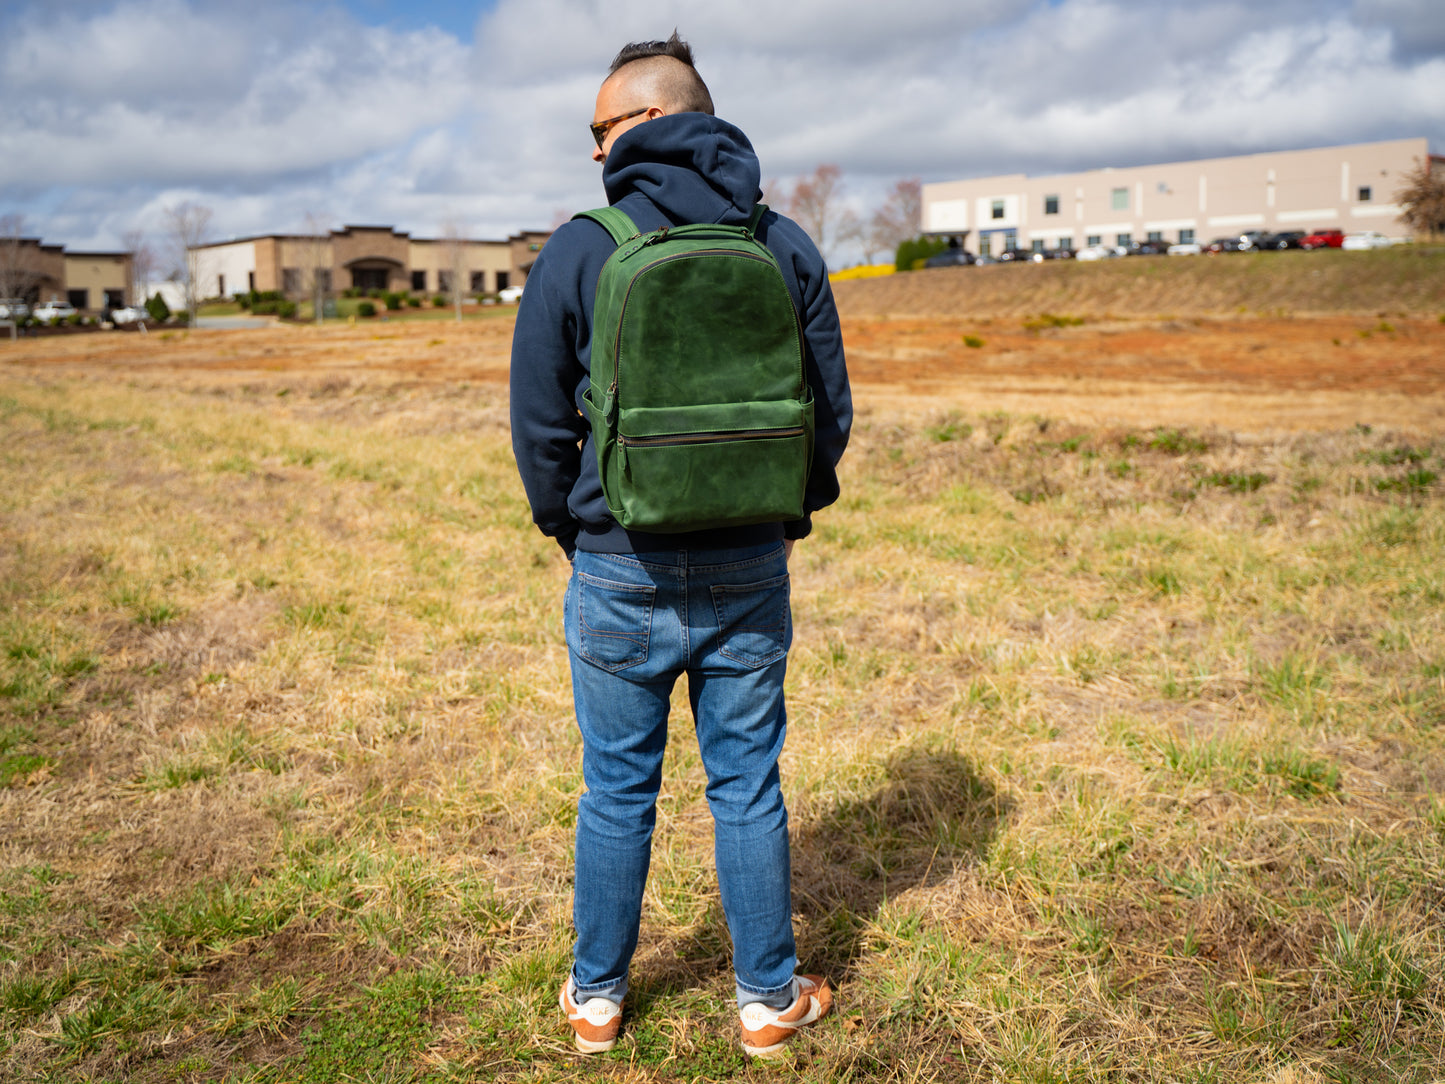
(931,815)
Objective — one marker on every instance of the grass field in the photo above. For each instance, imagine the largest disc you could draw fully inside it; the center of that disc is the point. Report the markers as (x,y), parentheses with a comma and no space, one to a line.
(1116,750)
(1404,279)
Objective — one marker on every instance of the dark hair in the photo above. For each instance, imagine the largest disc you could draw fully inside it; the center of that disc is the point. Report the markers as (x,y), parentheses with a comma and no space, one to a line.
(686,87)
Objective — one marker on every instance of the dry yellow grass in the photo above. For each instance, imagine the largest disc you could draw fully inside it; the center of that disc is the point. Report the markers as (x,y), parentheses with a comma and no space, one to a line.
(1115,745)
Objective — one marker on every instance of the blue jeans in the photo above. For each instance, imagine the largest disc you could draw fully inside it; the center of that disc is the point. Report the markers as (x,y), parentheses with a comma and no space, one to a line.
(635,622)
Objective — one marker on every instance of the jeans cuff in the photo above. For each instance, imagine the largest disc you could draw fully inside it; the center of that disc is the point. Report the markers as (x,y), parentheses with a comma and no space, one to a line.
(613,990)
(779,997)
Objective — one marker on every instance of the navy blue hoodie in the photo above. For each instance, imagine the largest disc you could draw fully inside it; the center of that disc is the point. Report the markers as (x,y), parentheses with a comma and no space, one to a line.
(676,169)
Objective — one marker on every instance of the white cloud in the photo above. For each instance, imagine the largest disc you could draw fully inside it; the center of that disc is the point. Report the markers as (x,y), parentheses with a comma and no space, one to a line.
(270,111)
(154,91)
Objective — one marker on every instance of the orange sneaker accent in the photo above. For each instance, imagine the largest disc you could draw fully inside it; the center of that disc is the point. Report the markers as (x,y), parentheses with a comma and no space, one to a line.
(766,1031)
(595,1023)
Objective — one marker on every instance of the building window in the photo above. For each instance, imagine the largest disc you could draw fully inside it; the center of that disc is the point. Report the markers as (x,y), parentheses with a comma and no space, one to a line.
(369,278)
(1156,235)
(985,245)
(1123,238)
(114,299)
(502,280)
(479,282)
(1365,194)
(1065,242)
(323,279)
(444,282)
(251,281)
(997,211)
(79,299)
(1119,199)
(1037,244)
(1186,237)
(220,285)
(418,281)
(290,280)
(1094,239)
(1010,239)
(1051,205)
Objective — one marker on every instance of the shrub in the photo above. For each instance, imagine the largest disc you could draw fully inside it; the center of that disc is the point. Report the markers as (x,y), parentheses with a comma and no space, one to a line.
(286,309)
(414,302)
(1049,320)
(159,310)
(440,301)
(915,250)
(393,301)
(366,308)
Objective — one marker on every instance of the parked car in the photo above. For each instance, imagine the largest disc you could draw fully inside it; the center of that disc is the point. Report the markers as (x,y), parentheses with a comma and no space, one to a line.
(1282,240)
(1249,240)
(13,308)
(1224,244)
(951,257)
(129,314)
(1096,252)
(1148,248)
(1361,239)
(1058,254)
(54,310)
(510,296)
(1186,248)
(1323,239)
(1016,255)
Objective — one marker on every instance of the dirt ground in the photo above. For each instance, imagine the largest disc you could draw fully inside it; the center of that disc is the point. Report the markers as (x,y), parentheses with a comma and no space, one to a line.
(1240,373)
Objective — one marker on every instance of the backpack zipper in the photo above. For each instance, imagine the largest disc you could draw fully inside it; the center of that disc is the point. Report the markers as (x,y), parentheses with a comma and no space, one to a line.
(681,439)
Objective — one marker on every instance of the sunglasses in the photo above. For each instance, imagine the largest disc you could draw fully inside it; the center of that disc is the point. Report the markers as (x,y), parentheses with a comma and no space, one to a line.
(602,127)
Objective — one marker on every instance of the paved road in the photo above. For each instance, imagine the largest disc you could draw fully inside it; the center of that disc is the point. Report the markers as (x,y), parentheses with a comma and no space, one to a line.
(231,323)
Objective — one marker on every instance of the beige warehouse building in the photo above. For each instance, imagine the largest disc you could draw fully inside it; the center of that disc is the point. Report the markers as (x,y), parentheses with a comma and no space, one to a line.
(363,258)
(1348,188)
(91,281)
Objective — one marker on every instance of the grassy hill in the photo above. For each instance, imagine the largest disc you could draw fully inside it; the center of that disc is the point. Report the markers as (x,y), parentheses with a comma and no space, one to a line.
(1407,279)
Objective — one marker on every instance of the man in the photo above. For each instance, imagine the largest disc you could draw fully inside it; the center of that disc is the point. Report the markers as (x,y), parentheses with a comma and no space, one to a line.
(642,609)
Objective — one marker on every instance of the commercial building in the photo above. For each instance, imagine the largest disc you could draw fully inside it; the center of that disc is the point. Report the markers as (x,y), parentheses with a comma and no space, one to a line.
(363,258)
(36,273)
(1348,188)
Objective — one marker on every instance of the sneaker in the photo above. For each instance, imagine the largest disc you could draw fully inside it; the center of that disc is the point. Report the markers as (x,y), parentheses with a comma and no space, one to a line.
(595,1024)
(766,1031)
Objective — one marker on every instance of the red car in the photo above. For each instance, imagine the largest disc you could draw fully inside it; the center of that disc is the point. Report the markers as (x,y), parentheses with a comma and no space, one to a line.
(1324,239)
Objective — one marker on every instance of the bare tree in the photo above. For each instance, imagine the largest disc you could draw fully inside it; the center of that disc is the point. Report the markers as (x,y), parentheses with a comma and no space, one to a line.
(897,220)
(774,195)
(142,265)
(187,223)
(1423,198)
(815,205)
(19,272)
(454,254)
(316,263)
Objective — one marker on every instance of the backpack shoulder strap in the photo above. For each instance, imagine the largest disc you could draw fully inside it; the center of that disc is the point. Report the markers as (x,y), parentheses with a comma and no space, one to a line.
(614,220)
(759,209)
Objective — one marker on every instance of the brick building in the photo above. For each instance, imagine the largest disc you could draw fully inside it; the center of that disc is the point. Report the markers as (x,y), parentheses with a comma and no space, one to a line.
(365,258)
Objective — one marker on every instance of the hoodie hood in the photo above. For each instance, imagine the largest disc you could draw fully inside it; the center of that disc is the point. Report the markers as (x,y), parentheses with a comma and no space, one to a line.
(693,166)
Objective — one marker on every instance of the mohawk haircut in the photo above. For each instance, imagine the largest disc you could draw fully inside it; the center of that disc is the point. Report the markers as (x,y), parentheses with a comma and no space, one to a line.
(682,86)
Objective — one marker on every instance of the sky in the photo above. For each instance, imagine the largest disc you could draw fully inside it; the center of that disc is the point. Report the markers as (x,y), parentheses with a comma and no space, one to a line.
(420,114)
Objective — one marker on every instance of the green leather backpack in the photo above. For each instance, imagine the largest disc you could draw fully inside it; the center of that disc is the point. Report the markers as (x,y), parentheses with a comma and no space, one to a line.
(698,402)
